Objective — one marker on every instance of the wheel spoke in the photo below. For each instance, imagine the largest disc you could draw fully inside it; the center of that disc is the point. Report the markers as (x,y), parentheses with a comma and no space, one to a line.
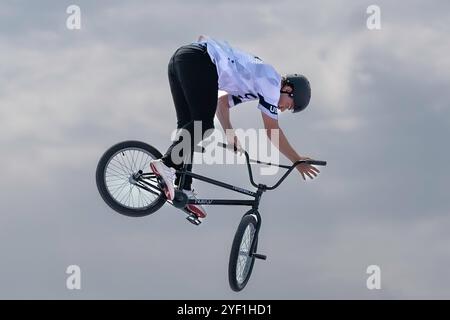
(119,166)
(147,162)
(113,180)
(124,159)
(121,186)
(140,198)
(127,154)
(145,197)
(120,189)
(140,162)
(118,174)
(133,164)
(123,196)
(121,159)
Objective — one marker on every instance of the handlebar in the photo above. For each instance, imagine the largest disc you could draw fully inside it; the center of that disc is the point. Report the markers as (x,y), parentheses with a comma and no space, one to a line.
(289,168)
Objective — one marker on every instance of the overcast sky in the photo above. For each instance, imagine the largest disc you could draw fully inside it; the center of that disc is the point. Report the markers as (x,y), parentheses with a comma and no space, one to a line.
(379,115)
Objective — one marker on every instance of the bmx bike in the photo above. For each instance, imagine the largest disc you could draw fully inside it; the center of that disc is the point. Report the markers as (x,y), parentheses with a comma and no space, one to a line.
(127,184)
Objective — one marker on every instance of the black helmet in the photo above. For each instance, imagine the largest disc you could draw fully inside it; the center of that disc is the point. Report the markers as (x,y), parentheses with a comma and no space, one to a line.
(301,90)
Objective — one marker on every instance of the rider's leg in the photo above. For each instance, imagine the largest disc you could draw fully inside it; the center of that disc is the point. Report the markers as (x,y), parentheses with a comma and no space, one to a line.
(181,108)
(182,112)
(193,85)
(177,160)
(193,79)
(200,87)
(165,167)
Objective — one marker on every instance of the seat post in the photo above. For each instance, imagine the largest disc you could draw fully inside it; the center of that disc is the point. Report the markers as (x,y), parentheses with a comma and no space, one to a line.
(183,171)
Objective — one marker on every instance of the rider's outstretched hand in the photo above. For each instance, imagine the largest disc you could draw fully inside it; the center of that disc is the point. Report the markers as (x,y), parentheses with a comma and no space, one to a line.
(307,169)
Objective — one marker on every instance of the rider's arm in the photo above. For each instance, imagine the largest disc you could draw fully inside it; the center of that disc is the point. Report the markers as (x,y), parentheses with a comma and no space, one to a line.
(281,142)
(273,132)
(223,114)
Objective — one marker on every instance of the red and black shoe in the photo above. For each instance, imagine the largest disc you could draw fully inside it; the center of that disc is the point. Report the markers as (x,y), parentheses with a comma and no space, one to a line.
(167,174)
(195,209)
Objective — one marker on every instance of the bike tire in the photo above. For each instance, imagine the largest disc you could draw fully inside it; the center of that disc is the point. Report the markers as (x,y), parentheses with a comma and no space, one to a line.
(128,165)
(239,275)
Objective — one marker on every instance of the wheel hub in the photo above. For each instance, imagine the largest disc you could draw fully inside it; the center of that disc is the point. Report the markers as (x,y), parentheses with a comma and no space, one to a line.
(133,179)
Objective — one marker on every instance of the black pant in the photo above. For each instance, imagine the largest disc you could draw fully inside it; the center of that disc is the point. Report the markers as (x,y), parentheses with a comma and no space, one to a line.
(193,83)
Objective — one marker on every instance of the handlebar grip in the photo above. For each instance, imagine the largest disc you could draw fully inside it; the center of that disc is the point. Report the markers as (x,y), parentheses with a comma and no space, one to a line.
(316,162)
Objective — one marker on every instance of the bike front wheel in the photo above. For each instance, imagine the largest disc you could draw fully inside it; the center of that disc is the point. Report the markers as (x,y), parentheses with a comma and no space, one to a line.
(125,180)
(241,259)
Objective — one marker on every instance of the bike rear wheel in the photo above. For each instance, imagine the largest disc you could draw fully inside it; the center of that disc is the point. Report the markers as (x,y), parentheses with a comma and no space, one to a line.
(241,260)
(125,181)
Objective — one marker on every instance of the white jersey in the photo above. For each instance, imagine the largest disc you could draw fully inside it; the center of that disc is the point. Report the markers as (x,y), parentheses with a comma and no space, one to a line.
(245,77)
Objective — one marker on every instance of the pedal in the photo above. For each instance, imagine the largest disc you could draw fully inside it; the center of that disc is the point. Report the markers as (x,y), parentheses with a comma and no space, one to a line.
(193,219)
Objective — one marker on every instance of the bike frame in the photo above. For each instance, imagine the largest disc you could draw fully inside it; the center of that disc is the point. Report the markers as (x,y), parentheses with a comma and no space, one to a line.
(254,203)
(236,202)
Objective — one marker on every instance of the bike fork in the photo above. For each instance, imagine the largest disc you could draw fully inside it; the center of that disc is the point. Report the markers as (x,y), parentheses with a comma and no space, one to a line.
(255,238)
